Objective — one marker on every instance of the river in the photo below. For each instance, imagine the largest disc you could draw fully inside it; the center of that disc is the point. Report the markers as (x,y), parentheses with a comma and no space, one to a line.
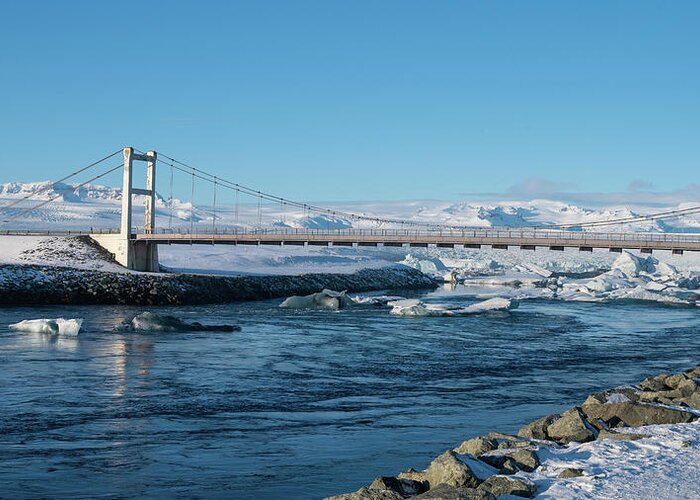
(300,404)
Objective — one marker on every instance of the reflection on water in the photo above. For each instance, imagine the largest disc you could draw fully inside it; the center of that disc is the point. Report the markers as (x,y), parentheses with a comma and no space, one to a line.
(299,404)
(131,361)
(49,342)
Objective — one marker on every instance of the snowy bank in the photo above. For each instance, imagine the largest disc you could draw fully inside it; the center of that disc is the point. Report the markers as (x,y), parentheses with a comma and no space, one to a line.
(639,441)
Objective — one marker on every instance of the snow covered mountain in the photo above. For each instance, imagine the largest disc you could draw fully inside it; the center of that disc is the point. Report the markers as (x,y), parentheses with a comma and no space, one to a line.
(99,206)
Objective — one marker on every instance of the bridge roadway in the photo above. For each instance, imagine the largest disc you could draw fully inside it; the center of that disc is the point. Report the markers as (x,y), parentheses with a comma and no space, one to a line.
(527,239)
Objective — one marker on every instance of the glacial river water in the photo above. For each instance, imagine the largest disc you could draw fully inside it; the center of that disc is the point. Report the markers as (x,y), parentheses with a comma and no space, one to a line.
(299,404)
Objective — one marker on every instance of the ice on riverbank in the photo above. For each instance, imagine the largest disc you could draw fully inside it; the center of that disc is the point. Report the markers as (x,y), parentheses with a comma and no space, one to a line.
(58,326)
(413,307)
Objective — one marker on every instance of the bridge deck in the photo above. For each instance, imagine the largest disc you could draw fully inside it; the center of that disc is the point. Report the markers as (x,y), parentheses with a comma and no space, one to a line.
(514,238)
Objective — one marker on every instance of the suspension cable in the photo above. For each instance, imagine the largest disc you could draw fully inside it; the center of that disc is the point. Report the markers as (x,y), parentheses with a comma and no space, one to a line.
(52,184)
(381,220)
(46,202)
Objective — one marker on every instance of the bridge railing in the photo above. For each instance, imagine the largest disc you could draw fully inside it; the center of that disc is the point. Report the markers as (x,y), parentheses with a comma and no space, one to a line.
(501,232)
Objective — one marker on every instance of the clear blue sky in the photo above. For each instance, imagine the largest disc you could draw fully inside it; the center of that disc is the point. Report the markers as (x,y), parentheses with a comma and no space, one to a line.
(361,99)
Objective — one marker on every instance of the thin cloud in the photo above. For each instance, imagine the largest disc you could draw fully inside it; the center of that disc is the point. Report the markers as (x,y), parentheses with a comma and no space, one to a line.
(537,186)
(531,190)
(640,185)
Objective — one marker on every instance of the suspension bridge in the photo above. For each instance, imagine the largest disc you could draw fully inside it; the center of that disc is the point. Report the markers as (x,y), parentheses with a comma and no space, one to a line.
(137,247)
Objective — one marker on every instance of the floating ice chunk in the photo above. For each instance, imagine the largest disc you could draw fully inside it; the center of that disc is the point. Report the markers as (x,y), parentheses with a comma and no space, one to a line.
(69,327)
(58,326)
(655,286)
(452,277)
(151,322)
(599,285)
(325,299)
(631,265)
(413,307)
(36,326)
(663,268)
(426,266)
(495,304)
(376,300)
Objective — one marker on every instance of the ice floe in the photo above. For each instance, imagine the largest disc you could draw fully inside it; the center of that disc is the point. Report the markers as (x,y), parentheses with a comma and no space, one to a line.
(152,322)
(376,300)
(428,265)
(58,326)
(414,307)
(325,299)
(636,278)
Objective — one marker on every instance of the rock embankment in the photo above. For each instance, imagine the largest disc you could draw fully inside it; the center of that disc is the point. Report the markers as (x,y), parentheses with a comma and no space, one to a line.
(30,285)
(496,464)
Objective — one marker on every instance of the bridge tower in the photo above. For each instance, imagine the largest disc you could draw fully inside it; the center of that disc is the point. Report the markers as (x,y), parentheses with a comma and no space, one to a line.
(138,256)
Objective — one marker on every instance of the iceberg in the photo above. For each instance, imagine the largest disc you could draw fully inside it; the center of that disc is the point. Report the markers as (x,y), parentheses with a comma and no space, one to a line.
(325,299)
(413,307)
(376,300)
(432,265)
(151,322)
(58,326)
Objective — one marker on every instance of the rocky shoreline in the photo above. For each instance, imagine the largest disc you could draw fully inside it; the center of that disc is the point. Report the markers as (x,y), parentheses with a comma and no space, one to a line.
(497,464)
(42,285)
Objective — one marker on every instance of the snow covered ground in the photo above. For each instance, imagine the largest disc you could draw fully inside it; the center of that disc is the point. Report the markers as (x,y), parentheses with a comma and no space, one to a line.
(662,466)
(55,251)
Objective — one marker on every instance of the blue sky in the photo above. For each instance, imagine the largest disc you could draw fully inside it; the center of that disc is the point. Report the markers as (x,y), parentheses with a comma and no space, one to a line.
(361,100)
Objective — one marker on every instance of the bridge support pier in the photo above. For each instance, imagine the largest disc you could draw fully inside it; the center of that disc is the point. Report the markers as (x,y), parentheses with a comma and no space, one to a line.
(137,256)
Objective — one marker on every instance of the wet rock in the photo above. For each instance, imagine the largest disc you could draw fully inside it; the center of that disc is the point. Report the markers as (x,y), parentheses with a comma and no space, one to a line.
(637,415)
(404,487)
(570,472)
(504,485)
(660,396)
(477,446)
(509,445)
(617,395)
(694,372)
(674,380)
(151,322)
(526,460)
(413,475)
(368,494)
(620,436)
(447,492)
(507,441)
(654,383)
(512,462)
(687,388)
(448,469)
(692,401)
(572,426)
(538,428)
